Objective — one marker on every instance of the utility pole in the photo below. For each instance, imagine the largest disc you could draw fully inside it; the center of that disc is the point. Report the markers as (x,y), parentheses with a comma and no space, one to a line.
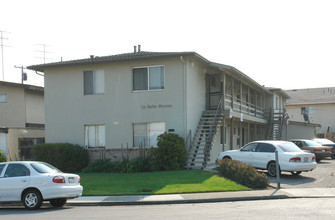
(2,58)
(23,74)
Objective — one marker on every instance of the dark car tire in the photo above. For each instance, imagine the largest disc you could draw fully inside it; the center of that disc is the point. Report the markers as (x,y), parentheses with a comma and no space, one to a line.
(58,202)
(272,169)
(32,199)
(296,173)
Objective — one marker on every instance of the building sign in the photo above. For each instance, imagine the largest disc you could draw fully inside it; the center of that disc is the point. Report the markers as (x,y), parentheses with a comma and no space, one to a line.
(156,106)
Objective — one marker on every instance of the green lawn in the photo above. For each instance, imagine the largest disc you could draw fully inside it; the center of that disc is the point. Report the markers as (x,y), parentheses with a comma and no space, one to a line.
(167,182)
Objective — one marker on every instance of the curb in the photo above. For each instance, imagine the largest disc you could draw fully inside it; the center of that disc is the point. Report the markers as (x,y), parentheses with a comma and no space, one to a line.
(186,201)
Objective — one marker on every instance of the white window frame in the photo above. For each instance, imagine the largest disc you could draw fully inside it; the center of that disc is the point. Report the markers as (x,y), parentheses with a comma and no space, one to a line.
(98,82)
(3,98)
(150,132)
(148,78)
(95,136)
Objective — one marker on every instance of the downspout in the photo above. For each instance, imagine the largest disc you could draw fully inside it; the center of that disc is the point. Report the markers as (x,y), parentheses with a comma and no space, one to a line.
(184,96)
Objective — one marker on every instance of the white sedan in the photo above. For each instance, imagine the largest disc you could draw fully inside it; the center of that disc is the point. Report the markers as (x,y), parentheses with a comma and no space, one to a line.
(261,155)
(34,182)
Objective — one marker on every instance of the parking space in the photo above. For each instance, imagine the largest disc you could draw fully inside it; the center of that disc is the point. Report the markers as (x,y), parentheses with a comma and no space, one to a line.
(323,176)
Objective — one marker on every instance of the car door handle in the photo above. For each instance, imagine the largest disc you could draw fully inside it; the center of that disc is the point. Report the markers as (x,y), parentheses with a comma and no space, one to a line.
(24,181)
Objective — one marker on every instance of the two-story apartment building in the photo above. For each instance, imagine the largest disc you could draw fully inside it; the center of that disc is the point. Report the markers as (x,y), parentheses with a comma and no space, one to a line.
(21,119)
(127,100)
(312,107)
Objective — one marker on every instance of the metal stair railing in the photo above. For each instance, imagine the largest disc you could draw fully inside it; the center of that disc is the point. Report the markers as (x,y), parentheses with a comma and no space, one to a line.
(213,129)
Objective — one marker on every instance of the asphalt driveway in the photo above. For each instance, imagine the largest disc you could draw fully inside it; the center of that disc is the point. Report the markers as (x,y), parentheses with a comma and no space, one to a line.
(322,177)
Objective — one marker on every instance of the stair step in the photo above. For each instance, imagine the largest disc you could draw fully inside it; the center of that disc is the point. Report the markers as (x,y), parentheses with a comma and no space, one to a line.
(195,167)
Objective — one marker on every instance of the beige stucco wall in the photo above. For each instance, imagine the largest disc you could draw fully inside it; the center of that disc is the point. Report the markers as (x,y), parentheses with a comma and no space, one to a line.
(34,107)
(13,140)
(67,110)
(13,111)
(295,131)
(194,93)
(324,115)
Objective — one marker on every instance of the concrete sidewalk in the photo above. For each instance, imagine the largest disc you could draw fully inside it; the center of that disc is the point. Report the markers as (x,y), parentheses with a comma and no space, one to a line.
(203,197)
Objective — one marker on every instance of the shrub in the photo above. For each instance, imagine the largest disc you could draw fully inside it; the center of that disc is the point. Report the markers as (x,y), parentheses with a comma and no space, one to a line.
(66,157)
(2,157)
(244,174)
(170,153)
(125,166)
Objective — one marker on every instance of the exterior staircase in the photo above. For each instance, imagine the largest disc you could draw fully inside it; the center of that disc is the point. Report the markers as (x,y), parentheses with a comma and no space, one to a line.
(201,145)
(275,125)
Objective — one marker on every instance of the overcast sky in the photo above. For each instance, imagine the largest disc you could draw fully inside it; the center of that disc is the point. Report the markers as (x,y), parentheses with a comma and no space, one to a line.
(289,44)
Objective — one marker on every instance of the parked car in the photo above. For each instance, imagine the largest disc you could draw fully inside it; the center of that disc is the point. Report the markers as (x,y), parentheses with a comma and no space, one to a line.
(261,155)
(328,143)
(34,182)
(313,147)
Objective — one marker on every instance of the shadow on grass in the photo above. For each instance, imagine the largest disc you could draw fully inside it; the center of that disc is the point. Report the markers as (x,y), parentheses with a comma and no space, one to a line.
(166,182)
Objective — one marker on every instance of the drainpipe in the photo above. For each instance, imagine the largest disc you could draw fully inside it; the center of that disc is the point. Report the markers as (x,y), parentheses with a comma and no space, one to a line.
(184,96)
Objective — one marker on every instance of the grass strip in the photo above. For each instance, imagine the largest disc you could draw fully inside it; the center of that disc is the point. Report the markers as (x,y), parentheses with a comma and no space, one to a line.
(165,182)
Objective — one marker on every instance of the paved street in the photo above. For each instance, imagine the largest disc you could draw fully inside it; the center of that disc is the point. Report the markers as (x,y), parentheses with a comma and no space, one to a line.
(322,176)
(305,208)
(300,196)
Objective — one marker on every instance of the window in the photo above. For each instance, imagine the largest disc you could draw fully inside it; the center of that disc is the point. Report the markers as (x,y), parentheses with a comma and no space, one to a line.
(308,110)
(3,98)
(44,168)
(268,148)
(15,170)
(95,136)
(145,134)
(94,82)
(250,147)
(26,147)
(148,78)
(1,168)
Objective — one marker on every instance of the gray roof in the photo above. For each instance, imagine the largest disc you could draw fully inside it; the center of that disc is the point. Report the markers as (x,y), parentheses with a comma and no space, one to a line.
(140,56)
(24,86)
(280,91)
(311,96)
(115,58)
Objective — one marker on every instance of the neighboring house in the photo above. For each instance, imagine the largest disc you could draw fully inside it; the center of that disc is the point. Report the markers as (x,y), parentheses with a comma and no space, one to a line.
(21,119)
(123,102)
(312,107)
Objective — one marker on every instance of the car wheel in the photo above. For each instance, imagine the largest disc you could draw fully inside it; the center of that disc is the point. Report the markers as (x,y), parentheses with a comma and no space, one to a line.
(272,169)
(32,199)
(226,158)
(296,173)
(58,202)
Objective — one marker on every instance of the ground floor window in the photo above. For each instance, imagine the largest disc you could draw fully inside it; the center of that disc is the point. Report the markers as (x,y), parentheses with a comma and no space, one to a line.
(26,147)
(95,136)
(145,134)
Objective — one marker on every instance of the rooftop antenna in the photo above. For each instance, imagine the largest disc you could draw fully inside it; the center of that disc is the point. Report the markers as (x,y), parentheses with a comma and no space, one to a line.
(43,51)
(2,58)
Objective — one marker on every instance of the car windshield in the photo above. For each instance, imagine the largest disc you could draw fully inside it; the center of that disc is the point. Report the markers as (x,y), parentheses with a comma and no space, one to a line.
(289,147)
(312,143)
(324,141)
(45,168)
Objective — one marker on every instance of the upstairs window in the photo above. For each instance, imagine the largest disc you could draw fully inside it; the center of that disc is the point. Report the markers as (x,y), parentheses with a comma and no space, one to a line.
(3,98)
(148,78)
(94,82)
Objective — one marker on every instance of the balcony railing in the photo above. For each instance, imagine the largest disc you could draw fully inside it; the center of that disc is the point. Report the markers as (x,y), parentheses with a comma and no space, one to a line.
(243,106)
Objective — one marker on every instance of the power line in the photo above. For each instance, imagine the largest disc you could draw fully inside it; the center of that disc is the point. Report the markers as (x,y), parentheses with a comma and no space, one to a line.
(2,57)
